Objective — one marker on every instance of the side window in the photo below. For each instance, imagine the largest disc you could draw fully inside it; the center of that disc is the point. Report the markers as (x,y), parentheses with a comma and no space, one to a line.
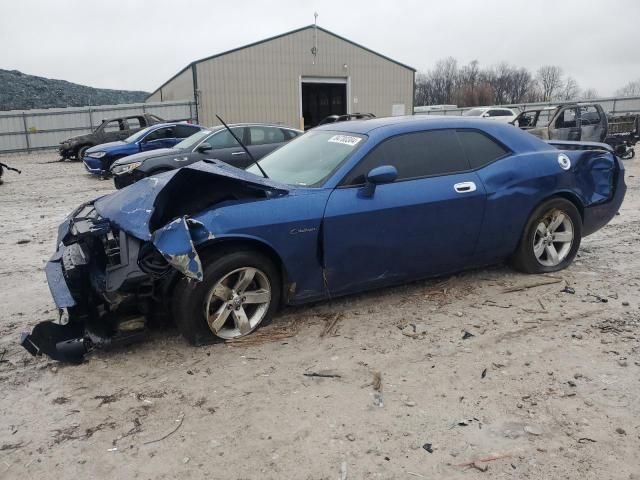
(421,154)
(479,148)
(223,139)
(114,126)
(265,135)
(134,123)
(166,132)
(184,131)
(289,134)
(503,113)
(567,118)
(589,115)
(493,113)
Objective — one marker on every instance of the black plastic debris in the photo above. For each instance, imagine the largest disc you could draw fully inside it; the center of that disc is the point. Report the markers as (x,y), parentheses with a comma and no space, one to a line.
(466,335)
(568,289)
(428,447)
(484,373)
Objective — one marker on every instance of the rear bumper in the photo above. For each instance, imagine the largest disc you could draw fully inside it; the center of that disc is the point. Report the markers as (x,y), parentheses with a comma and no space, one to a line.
(597,216)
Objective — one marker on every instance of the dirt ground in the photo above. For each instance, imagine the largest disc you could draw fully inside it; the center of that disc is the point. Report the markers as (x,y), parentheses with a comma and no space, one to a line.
(526,381)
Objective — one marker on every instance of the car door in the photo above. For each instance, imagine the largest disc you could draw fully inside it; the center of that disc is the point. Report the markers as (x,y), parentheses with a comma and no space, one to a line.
(112,131)
(160,138)
(265,139)
(225,147)
(424,223)
(566,126)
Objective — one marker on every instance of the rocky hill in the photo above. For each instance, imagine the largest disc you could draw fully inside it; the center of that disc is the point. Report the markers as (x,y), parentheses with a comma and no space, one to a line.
(19,91)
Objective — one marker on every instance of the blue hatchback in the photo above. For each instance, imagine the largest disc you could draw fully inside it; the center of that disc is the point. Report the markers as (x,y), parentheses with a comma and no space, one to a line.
(341,209)
(97,160)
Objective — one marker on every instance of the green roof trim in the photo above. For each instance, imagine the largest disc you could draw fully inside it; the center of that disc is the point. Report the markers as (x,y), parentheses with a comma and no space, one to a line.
(274,38)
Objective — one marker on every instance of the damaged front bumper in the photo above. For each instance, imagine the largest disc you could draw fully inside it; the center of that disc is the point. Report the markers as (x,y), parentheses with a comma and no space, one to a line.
(102,295)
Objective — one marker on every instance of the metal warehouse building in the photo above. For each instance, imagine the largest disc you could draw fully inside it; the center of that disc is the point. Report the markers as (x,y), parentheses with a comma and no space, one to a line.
(296,79)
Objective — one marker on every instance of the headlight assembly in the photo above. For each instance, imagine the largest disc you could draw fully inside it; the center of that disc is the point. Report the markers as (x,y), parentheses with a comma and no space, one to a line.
(126,168)
(96,154)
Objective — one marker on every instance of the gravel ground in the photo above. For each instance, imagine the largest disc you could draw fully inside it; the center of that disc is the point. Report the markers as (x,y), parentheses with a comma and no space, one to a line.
(545,386)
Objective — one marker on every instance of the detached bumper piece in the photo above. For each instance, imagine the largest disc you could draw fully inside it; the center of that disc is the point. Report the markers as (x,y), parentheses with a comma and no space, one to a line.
(69,343)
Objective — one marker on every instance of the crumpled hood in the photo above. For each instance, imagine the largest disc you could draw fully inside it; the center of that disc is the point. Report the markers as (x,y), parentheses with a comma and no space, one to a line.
(142,156)
(78,139)
(107,146)
(153,202)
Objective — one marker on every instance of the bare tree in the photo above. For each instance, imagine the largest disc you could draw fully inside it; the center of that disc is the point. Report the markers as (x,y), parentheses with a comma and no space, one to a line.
(589,94)
(550,79)
(631,89)
(570,90)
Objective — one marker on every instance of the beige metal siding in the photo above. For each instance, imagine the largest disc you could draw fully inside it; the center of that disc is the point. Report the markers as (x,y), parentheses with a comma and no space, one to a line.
(154,97)
(261,83)
(179,88)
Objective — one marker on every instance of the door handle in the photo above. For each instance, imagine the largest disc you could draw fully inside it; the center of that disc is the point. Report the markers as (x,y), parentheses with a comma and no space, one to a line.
(465,187)
(237,153)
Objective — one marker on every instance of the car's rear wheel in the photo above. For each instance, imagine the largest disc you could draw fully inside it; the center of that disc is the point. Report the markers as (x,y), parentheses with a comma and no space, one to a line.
(240,292)
(551,238)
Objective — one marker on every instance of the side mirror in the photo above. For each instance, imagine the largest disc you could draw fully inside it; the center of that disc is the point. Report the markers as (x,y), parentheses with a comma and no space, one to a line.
(204,147)
(378,176)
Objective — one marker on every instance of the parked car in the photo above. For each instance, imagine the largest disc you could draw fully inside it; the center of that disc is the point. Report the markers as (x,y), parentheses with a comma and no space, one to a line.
(109,130)
(345,208)
(215,143)
(98,160)
(498,114)
(346,117)
(585,122)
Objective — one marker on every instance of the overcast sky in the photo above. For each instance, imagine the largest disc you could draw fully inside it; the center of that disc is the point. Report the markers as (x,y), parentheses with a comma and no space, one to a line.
(138,44)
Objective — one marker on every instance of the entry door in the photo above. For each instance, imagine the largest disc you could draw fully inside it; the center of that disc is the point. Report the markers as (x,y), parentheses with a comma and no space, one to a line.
(425,223)
(319,100)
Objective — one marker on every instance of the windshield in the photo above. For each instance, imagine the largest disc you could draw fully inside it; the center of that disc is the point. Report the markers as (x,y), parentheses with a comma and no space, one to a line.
(309,159)
(138,135)
(474,112)
(190,142)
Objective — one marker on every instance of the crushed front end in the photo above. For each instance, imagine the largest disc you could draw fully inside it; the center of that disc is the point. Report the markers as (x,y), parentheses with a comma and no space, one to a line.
(103,297)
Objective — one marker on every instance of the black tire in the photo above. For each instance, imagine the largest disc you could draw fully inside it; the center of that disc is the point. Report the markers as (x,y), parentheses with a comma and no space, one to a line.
(525,259)
(81,151)
(189,297)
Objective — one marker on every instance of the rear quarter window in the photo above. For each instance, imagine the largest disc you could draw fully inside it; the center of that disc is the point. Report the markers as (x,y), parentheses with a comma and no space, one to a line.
(479,148)
(184,131)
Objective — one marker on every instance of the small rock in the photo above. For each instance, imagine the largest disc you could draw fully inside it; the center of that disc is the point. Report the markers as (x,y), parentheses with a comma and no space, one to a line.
(22,241)
(519,405)
(459,314)
(533,430)
(54,369)
(572,383)
(625,304)
(351,437)
(577,335)
(409,403)
(577,375)
(588,403)
(185,460)
(621,431)
(623,363)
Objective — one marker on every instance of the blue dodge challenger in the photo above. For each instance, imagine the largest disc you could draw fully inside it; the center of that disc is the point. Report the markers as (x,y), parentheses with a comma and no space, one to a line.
(341,209)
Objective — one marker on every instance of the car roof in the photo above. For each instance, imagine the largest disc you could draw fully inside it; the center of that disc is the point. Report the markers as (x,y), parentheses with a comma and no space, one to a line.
(409,122)
(253,124)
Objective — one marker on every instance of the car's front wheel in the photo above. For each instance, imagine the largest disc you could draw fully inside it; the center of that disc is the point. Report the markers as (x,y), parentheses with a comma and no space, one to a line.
(240,291)
(551,238)
(81,151)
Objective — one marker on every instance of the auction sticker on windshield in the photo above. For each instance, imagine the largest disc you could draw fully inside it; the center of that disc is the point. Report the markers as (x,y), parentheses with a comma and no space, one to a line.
(345,140)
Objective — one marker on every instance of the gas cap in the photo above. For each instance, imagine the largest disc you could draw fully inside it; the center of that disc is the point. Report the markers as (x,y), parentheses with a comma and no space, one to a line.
(564,161)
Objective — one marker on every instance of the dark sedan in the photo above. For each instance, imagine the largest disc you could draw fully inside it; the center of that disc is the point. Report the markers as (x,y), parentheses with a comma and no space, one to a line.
(215,143)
